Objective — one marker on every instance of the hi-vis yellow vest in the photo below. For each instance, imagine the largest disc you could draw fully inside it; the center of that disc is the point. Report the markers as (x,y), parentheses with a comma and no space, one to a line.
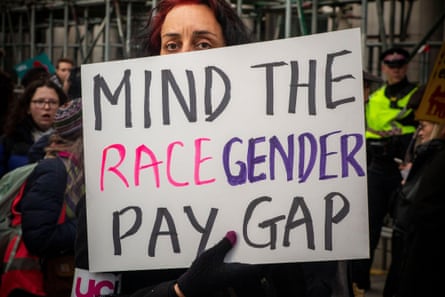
(382,120)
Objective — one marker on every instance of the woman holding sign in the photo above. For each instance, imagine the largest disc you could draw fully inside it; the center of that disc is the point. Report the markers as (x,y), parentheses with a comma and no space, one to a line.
(179,26)
(176,26)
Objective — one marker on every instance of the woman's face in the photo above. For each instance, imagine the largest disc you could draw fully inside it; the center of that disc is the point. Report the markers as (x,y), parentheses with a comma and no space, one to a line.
(43,107)
(190,27)
(425,131)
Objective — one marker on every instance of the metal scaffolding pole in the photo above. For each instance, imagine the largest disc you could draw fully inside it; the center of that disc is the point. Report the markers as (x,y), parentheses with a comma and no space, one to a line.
(430,32)
(301,18)
(239,7)
(288,18)
(364,26)
(50,40)
(314,18)
(404,24)
(32,33)
(20,38)
(78,44)
(65,29)
(86,35)
(128,39)
(381,20)
(120,31)
(107,30)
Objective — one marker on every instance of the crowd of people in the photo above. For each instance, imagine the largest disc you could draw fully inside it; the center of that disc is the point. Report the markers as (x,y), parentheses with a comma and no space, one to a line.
(390,126)
(44,124)
(403,150)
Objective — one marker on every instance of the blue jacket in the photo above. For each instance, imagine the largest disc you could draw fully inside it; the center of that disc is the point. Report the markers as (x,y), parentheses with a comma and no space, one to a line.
(41,206)
(14,149)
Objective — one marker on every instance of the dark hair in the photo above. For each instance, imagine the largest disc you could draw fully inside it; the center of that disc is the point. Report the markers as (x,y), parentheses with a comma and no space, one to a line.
(19,111)
(6,97)
(64,60)
(74,79)
(33,74)
(234,30)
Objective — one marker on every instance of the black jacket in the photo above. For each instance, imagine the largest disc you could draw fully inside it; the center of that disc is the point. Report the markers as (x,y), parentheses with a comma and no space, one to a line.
(423,255)
(406,194)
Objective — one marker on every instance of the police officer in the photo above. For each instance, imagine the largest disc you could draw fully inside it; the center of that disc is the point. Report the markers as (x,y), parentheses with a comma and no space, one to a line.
(390,127)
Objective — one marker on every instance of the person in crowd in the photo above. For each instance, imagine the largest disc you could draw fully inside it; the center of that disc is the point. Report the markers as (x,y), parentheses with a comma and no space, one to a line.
(165,31)
(73,85)
(390,126)
(370,82)
(31,116)
(37,150)
(177,26)
(63,68)
(430,141)
(6,96)
(49,201)
(34,73)
(422,254)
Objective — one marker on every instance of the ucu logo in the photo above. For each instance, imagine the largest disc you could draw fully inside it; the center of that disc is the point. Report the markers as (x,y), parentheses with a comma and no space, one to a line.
(95,287)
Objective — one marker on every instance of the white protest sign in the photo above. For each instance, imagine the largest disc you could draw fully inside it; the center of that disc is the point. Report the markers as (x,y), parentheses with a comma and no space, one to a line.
(265,139)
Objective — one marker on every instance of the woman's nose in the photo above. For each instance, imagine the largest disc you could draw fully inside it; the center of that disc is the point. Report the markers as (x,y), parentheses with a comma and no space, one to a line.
(186,47)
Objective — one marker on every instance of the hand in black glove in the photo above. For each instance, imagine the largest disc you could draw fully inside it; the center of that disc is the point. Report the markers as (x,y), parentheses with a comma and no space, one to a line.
(209,273)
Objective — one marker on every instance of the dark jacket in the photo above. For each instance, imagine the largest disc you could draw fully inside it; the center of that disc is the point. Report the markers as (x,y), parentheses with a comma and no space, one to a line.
(406,194)
(37,151)
(423,255)
(41,207)
(14,149)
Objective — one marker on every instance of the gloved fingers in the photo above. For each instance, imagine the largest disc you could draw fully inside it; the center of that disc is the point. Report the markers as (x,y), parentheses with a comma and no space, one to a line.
(231,236)
(217,253)
(165,289)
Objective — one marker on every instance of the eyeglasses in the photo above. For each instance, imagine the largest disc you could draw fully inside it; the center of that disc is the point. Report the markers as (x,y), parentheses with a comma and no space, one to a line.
(40,103)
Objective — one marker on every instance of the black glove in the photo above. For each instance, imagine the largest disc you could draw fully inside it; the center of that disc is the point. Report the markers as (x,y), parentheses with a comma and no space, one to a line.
(209,273)
(165,289)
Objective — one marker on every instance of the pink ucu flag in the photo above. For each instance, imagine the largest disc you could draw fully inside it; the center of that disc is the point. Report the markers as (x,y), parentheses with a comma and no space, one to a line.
(88,284)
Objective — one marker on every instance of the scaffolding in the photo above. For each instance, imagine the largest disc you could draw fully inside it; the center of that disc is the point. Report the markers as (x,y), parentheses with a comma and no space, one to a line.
(91,31)
(87,31)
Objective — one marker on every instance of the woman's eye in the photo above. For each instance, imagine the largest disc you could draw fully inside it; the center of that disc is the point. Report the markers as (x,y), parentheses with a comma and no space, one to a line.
(171,46)
(204,45)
